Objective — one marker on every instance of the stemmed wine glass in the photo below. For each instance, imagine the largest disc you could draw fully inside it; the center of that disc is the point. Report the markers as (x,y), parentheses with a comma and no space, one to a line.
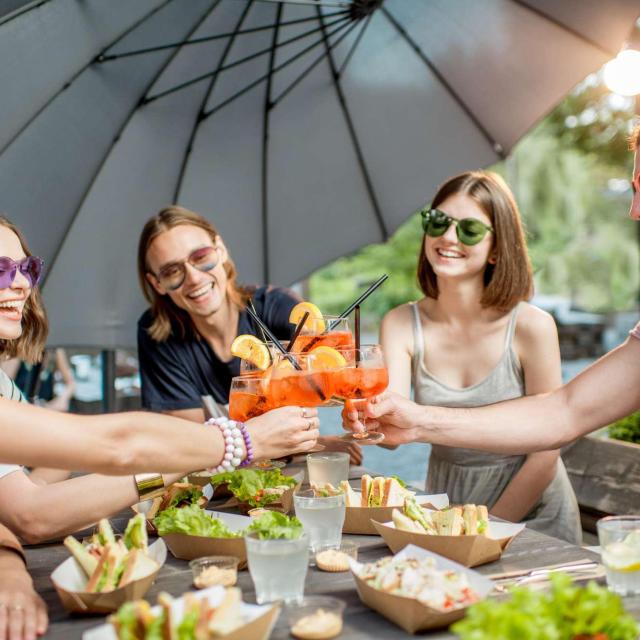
(365,376)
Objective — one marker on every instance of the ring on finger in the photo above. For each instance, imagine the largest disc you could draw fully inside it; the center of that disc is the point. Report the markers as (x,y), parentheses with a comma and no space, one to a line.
(304,412)
(15,607)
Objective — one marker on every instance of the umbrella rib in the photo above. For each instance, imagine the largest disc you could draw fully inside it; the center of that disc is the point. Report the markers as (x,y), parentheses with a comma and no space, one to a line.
(236,63)
(354,136)
(69,82)
(205,99)
(355,44)
(265,147)
(115,139)
(495,145)
(262,79)
(218,36)
(312,66)
(16,13)
(567,28)
(310,3)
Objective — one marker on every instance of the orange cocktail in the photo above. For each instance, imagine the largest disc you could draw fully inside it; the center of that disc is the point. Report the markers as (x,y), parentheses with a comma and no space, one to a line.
(308,386)
(354,382)
(249,397)
(329,331)
(364,376)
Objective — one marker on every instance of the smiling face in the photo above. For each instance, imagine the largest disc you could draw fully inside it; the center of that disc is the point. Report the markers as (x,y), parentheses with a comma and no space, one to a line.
(203,292)
(450,258)
(14,297)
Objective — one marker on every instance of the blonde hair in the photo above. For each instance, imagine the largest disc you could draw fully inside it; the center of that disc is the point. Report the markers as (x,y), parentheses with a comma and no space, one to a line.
(510,279)
(166,315)
(35,326)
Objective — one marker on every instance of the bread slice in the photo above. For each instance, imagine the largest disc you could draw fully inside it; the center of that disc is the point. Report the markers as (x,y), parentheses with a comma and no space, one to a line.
(86,560)
(394,493)
(168,627)
(105,575)
(226,618)
(351,498)
(137,565)
(404,523)
(377,492)
(365,488)
(483,520)
(470,517)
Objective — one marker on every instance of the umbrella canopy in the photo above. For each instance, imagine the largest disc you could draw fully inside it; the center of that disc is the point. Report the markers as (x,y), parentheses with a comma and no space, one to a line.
(304,130)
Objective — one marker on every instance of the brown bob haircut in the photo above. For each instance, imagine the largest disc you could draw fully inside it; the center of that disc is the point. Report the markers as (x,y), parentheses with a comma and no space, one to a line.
(35,326)
(167,317)
(510,279)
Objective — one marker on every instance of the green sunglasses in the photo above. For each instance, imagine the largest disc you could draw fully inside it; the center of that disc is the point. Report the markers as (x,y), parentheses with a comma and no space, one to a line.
(469,230)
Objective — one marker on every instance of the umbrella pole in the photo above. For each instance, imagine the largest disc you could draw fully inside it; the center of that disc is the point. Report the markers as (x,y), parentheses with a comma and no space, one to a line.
(108,381)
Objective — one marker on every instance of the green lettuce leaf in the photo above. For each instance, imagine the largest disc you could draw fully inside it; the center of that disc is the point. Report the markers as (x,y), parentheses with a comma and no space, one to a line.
(193,521)
(564,613)
(273,525)
(248,485)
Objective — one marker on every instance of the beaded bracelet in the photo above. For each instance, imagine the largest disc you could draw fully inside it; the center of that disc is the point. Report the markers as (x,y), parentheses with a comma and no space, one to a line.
(234,433)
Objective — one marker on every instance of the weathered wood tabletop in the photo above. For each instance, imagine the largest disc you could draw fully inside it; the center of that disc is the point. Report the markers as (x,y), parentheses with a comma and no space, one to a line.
(527,551)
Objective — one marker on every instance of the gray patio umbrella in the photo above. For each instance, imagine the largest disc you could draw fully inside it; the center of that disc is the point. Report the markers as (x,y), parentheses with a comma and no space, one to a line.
(303,129)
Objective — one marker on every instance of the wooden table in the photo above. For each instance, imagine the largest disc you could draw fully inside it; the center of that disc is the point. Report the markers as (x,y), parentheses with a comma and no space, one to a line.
(528,550)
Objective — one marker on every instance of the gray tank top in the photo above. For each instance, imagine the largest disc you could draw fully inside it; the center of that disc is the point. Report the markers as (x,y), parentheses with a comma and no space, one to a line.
(505,382)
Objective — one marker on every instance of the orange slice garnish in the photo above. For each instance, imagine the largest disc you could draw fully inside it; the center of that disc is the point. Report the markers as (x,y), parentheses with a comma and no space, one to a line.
(324,357)
(315,321)
(250,348)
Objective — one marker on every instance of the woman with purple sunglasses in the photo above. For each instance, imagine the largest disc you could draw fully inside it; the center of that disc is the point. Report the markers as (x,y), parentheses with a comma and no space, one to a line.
(43,504)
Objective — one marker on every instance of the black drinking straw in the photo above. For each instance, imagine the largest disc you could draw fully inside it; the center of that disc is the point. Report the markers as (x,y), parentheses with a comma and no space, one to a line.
(264,337)
(357,320)
(359,301)
(296,333)
(347,311)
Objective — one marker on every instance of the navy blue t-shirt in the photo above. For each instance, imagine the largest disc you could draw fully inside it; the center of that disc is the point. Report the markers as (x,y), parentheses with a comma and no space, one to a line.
(177,372)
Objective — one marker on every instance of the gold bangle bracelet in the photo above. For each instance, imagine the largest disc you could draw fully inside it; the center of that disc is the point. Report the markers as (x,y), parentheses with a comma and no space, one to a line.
(149,485)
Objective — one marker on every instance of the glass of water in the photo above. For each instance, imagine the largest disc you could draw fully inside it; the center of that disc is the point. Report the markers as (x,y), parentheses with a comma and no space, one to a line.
(278,567)
(322,518)
(332,466)
(619,538)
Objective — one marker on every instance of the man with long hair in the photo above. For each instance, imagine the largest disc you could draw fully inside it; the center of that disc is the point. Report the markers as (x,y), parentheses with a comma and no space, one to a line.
(197,308)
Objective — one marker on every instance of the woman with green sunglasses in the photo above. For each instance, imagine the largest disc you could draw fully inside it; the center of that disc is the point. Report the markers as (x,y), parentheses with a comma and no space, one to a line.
(473,340)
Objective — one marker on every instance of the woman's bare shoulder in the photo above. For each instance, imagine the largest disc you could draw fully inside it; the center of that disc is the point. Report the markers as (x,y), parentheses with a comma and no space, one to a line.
(534,324)
(399,317)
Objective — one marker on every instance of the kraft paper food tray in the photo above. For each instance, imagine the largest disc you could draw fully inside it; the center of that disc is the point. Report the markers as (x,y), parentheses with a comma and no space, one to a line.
(409,613)
(188,547)
(359,519)
(70,580)
(259,619)
(469,551)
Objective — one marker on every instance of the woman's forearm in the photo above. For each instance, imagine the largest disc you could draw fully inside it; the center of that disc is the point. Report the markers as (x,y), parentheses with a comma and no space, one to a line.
(607,390)
(114,444)
(51,511)
(526,487)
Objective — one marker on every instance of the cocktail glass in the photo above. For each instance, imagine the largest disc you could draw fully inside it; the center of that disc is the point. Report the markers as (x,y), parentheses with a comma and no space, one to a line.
(332,331)
(305,386)
(278,568)
(322,518)
(619,538)
(249,397)
(364,376)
